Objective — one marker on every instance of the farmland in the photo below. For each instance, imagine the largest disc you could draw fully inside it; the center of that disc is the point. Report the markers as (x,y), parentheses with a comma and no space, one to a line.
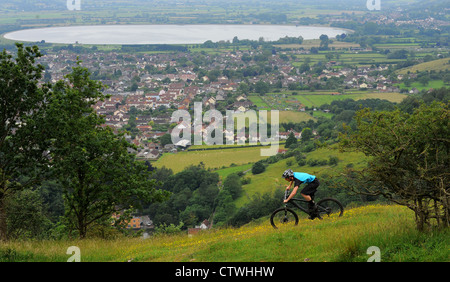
(213,159)
(436,65)
(293,100)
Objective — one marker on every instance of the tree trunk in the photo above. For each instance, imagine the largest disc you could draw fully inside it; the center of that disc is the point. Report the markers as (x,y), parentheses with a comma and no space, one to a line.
(3,223)
(82,229)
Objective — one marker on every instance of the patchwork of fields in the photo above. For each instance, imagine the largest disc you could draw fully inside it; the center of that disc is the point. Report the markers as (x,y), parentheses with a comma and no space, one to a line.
(236,156)
(294,100)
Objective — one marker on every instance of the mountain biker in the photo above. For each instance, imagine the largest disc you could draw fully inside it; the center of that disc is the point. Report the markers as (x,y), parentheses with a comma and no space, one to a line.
(298,178)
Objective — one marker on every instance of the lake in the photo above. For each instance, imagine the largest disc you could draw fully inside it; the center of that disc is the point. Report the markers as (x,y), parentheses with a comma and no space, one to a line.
(166,34)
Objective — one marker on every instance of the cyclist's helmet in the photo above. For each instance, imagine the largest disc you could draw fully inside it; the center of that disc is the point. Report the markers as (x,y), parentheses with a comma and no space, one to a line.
(288,173)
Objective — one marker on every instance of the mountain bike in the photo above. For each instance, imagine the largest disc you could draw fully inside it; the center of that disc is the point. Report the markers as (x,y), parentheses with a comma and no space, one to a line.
(287,216)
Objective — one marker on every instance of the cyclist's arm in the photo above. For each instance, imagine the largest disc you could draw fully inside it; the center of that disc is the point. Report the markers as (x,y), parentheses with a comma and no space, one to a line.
(294,191)
(289,186)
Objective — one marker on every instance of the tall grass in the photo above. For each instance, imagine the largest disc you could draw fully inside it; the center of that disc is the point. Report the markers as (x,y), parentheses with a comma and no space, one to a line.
(390,228)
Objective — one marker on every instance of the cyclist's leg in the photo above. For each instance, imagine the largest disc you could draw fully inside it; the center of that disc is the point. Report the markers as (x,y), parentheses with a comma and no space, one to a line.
(310,189)
(308,193)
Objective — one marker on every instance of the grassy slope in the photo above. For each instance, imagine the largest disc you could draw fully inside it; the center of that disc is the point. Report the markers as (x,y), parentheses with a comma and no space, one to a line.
(271,179)
(390,228)
(436,65)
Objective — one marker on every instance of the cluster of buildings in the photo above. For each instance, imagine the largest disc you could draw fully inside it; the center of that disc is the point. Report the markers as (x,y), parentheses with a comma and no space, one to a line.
(142,86)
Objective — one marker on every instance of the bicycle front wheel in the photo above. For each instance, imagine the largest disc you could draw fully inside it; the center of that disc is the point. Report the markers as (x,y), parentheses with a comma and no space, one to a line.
(283,217)
(329,207)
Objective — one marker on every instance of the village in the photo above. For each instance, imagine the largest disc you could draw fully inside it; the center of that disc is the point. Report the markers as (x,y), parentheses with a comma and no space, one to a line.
(144,88)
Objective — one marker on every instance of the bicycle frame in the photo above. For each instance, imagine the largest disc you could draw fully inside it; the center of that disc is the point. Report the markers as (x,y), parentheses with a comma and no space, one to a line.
(293,202)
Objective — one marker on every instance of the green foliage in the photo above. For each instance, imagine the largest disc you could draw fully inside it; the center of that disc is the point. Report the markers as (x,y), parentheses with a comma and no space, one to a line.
(98,175)
(168,229)
(26,221)
(409,158)
(306,134)
(225,208)
(259,206)
(166,139)
(194,192)
(23,141)
(291,140)
(258,167)
(232,184)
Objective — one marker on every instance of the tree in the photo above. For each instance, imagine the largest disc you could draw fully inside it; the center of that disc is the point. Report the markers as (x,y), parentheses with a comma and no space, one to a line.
(258,167)
(261,87)
(166,139)
(233,185)
(23,143)
(324,41)
(306,134)
(305,67)
(409,161)
(26,215)
(194,192)
(98,175)
(225,207)
(291,140)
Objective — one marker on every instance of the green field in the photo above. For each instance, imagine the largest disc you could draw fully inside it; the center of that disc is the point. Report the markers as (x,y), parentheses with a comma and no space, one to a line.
(317,100)
(334,239)
(354,59)
(433,84)
(213,159)
(284,100)
(437,65)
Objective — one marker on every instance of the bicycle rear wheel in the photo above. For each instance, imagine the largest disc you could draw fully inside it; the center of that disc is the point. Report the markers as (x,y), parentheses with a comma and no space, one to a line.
(283,217)
(329,207)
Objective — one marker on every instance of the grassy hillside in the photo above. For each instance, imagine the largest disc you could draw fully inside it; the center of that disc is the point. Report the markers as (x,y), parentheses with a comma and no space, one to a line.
(271,178)
(390,228)
(287,99)
(436,65)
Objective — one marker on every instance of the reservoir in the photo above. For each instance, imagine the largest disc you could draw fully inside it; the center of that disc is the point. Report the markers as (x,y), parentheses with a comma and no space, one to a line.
(166,34)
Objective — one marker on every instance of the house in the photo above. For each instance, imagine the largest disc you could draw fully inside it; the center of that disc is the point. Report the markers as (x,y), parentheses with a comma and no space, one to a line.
(203,226)
(144,128)
(414,91)
(210,101)
(241,98)
(146,222)
(153,146)
(242,106)
(134,223)
(153,154)
(149,154)
(170,148)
